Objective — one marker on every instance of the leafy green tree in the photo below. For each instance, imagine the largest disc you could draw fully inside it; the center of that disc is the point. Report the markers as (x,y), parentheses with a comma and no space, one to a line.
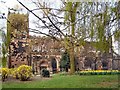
(70,16)
(4,57)
(4,50)
(65,61)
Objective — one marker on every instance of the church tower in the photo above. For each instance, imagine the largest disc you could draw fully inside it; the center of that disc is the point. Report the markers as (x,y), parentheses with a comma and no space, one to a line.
(17,39)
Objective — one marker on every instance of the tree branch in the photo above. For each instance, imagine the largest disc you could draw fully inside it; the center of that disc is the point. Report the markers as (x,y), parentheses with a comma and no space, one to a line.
(33,13)
(39,32)
(41,19)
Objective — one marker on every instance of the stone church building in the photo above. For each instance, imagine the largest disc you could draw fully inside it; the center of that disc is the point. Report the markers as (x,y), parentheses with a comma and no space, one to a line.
(41,55)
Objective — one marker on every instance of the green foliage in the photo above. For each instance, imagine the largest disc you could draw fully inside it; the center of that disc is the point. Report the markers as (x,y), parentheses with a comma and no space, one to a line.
(82,42)
(24,72)
(4,61)
(98,72)
(4,50)
(4,58)
(100,23)
(5,73)
(14,72)
(45,73)
(18,22)
(96,27)
(100,32)
(8,36)
(64,62)
(102,46)
(117,35)
(92,29)
(70,18)
(68,8)
(102,41)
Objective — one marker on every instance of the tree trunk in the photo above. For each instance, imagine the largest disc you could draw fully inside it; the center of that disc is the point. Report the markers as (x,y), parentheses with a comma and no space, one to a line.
(9,57)
(72,62)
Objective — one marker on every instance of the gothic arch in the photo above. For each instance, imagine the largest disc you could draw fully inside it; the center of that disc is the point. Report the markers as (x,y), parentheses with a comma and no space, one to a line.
(43,64)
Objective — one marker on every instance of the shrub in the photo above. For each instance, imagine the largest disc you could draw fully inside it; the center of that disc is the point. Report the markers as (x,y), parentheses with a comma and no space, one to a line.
(5,73)
(14,73)
(24,72)
(45,73)
(98,72)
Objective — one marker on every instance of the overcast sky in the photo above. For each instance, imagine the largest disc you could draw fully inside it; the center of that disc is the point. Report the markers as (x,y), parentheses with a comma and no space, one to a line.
(5,4)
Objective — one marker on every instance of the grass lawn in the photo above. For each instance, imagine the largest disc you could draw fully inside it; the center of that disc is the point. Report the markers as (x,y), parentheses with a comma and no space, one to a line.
(66,81)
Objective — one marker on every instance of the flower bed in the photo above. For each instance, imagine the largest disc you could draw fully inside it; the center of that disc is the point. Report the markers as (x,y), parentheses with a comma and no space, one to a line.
(5,73)
(23,73)
(98,72)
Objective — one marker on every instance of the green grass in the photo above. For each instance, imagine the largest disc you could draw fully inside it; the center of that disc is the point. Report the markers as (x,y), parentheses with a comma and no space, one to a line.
(66,81)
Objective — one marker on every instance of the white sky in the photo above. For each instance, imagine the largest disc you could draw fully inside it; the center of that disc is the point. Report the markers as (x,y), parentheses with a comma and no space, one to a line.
(12,3)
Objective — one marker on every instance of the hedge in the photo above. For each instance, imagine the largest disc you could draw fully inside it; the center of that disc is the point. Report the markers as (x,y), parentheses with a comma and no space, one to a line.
(98,72)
